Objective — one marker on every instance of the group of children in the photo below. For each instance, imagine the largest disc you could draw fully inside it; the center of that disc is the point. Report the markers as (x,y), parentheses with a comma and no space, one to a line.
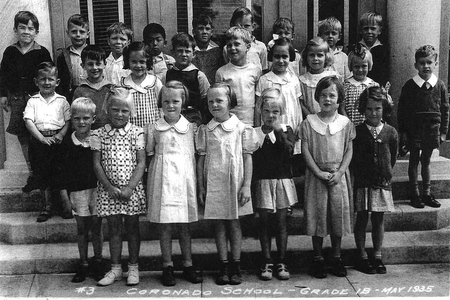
(222,129)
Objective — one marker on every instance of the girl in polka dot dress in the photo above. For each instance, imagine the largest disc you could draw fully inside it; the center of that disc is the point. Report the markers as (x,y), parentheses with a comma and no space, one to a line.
(119,163)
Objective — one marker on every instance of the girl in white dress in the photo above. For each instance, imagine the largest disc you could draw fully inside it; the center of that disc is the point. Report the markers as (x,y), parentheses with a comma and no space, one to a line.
(224,170)
(171,186)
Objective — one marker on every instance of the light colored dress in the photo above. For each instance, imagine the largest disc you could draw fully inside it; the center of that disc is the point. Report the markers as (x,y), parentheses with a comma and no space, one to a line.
(171,185)
(308,83)
(118,148)
(328,209)
(224,145)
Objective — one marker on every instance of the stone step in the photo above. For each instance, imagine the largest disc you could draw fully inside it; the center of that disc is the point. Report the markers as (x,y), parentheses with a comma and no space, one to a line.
(439,165)
(403,247)
(22,228)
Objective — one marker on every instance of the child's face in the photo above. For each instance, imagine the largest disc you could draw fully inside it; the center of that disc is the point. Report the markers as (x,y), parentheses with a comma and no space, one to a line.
(360,69)
(328,99)
(156,43)
(94,69)
(78,35)
(237,50)
(246,23)
(183,56)
(280,59)
(119,113)
(271,112)
(286,33)
(426,66)
(47,82)
(332,36)
(117,42)
(374,112)
(370,32)
(218,104)
(25,32)
(138,64)
(316,59)
(203,33)
(171,101)
(82,121)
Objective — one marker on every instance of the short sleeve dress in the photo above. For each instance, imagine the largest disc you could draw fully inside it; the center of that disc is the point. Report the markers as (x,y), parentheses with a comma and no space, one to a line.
(171,185)
(224,145)
(328,209)
(308,83)
(118,148)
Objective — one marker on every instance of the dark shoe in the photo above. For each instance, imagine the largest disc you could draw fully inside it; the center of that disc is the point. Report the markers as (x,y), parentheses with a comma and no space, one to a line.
(317,269)
(416,201)
(379,267)
(235,273)
(67,215)
(338,268)
(96,269)
(223,277)
(167,278)
(81,274)
(44,216)
(31,184)
(363,265)
(192,275)
(431,201)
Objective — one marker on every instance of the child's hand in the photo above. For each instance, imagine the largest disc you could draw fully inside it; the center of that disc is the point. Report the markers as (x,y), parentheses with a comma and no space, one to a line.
(47,140)
(125,193)
(201,195)
(443,137)
(276,125)
(335,178)
(57,138)
(4,103)
(325,176)
(113,192)
(244,195)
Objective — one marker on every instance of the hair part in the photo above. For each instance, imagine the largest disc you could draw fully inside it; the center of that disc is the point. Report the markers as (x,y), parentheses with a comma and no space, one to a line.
(370,17)
(283,23)
(238,14)
(232,99)
(24,17)
(46,67)
(183,39)
(236,32)
(282,42)
(425,51)
(93,52)
(202,19)
(83,104)
(151,29)
(174,85)
(377,94)
(317,42)
(134,47)
(278,99)
(329,23)
(120,28)
(325,83)
(78,20)
(121,94)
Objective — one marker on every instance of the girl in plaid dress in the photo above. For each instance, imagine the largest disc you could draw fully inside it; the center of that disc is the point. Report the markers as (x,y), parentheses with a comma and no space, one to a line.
(143,86)
(119,163)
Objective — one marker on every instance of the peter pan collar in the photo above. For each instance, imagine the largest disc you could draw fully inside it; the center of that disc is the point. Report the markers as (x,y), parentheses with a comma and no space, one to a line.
(261,135)
(77,142)
(122,131)
(378,128)
(320,127)
(182,126)
(148,83)
(274,78)
(419,81)
(355,82)
(228,125)
(311,80)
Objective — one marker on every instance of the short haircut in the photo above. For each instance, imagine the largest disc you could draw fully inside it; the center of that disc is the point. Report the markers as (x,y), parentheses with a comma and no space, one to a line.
(279,99)
(83,104)
(151,29)
(425,51)
(232,99)
(121,28)
(46,67)
(319,42)
(238,33)
(238,14)
(329,24)
(362,53)
(283,23)
(370,17)
(135,46)
(78,20)
(174,85)
(25,16)
(122,94)
(282,42)
(183,39)
(93,52)
(202,19)
(375,93)
(325,83)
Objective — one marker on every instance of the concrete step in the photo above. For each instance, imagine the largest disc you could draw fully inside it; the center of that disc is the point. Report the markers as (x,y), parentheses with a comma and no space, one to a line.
(439,166)
(404,247)
(22,228)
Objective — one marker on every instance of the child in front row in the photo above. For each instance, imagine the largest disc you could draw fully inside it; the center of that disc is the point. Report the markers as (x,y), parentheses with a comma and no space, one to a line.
(423,115)
(224,172)
(172,184)
(374,156)
(119,163)
(327,148)
(81,183)
(272,185)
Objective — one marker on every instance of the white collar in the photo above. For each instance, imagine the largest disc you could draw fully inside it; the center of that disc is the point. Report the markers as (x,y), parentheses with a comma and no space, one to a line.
(337,50)
(112,59)
(228,125)
(377,43)
(148,83)
(274,78)
(77,142)
(261,135)
(182,126)
(355,82)
(53,98)
(419,81)
(210,46)
(75,51)
(122,131)
(378,128)
(311,80)
(321,127)
(95,86)
(187,69)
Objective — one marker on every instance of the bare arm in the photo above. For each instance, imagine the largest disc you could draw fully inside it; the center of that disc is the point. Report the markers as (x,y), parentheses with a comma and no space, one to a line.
(244,192)
(201,191)
(57,138)
(4,103)
(257,114)
(36,134)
